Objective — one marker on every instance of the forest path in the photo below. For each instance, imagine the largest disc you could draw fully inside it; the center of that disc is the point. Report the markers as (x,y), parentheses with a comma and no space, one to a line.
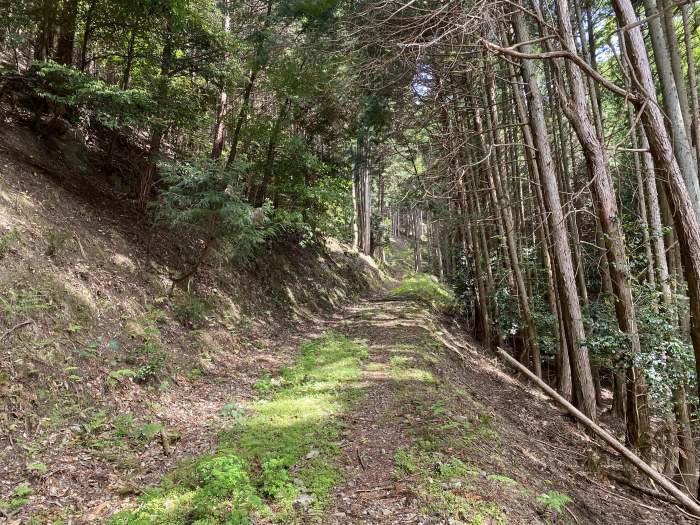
(442,435)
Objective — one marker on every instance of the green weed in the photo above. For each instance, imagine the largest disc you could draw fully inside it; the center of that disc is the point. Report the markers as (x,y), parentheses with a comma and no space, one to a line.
(501,479)
(8,241)
(406,461)
(554,500)
(55,241)
(25,300)
(190,310)
(37,467)
(19,497)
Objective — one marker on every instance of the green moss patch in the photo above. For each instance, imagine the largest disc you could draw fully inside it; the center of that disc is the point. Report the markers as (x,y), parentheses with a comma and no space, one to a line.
(427,289)
(277,461)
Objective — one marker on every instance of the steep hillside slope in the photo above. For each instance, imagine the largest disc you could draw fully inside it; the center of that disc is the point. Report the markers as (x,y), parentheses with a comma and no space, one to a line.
(106,381)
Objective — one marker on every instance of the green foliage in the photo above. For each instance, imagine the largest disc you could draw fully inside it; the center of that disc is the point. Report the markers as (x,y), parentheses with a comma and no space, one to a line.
(666,356)
(115,376)
(425,288)
(232,410)
(155,358)
(148,431)
(252,468)
(38,467)
(19,497)
(25,300)
(406,461)
(555,501)
(265,384)
(506,305)
(55,241)
(200,197)
(146,360)
(65,87)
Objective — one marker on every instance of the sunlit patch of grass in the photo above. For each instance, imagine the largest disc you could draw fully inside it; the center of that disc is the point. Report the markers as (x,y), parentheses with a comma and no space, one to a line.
(275,462)
(403,369)
(445,486)
(425,288)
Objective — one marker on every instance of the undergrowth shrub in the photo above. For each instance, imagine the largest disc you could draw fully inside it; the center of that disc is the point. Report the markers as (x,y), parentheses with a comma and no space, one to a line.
(7,242)
(55,242)
(65,88)
(202,199)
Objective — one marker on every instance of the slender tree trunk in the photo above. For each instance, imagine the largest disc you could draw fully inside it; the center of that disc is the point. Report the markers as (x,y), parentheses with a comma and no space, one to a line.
(417,241)
(676,67)
(505,212)
(355,208)
(87,33)
(242,115)
(682,210)
(584,390)
(366,199)
(158,131)
(219,137)
(245,101)
(672,107)
(258,193)
(577,111)
(692,82)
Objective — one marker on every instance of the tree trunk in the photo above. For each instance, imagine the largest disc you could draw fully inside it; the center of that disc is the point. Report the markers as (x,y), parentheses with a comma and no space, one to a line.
(512,252)
(692,82)
(219,137)
(680,144)
(66,35)
(87,33)
(682,209)
(258,193)
(577,111)
(158,131)
(417,241)
(43,45)
(584,391)
(242,115)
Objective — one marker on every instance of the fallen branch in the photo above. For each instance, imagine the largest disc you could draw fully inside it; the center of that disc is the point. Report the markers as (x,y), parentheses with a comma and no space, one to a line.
(643,490)
(16,327)
(386,487)
(572,514)
(685,500)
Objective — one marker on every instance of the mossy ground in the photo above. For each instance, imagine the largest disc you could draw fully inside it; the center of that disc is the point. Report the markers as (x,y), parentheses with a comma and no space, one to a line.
(277,460)
(427,289)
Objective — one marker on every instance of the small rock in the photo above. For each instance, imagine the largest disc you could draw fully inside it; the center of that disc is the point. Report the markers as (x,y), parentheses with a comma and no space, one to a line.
(304,500)
(312,454)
